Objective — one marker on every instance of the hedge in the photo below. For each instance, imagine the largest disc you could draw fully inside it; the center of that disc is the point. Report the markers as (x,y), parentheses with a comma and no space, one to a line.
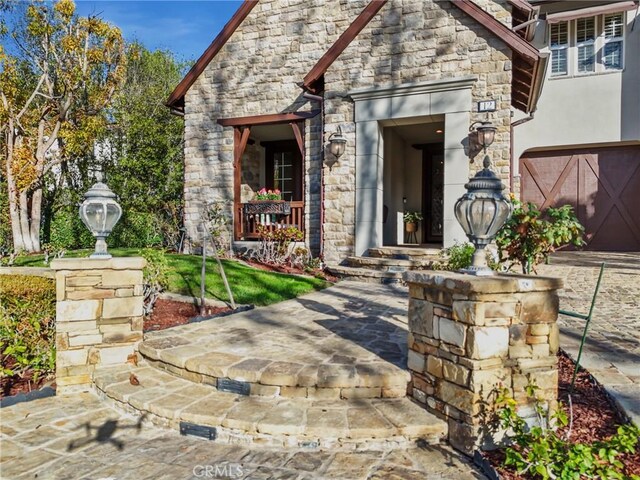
(27,325)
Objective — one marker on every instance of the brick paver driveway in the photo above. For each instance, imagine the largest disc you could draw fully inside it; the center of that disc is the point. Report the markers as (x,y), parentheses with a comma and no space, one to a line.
(612,351)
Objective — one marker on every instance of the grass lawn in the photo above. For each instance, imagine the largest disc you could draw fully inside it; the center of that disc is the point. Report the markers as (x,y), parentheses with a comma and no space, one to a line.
(248,284)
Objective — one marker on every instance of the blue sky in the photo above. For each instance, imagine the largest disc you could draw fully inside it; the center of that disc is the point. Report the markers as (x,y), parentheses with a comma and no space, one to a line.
(185,27)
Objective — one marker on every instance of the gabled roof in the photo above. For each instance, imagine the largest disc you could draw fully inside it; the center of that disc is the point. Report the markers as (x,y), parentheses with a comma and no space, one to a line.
(529,65)
(528,62)
(311,80)
(176,99)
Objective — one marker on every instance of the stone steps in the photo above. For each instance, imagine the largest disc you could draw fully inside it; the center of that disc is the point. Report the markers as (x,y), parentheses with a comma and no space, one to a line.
(357,423)
(385,264)
(388,264)
(264,376)
(414,253)
(366,275)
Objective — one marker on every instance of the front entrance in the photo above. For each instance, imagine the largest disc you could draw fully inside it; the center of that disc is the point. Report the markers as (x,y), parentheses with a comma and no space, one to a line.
(413,182)
(388,172)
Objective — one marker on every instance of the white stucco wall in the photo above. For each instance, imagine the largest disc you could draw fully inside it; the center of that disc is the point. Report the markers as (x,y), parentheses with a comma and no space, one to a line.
(587,109)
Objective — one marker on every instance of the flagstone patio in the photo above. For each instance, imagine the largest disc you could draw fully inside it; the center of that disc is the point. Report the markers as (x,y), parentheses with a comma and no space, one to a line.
(323,371)
(79,437)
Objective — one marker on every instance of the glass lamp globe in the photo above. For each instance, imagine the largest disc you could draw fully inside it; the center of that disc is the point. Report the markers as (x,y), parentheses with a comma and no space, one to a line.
(486,134)
(337,143)
(100,212)
(482,212)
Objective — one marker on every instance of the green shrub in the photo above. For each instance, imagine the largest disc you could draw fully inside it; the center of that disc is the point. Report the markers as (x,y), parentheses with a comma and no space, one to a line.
(527,238)
(27,325)
(543,453)
(457,256)
(275,244)
(67,232)
(155,276)
(137,230)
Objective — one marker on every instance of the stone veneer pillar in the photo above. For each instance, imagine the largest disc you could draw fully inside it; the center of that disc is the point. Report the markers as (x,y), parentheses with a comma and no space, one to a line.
(469,336)
(98,316)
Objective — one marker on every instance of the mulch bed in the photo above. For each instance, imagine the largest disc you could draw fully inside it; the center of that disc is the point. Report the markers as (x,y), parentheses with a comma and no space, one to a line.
(170,313)
(14,385)
(288,269)
(594,417)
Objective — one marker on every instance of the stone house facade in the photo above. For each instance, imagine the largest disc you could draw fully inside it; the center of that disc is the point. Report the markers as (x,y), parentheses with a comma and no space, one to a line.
(401,80)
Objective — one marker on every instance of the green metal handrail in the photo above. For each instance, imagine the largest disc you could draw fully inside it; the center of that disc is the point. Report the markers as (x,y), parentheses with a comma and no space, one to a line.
(586,325)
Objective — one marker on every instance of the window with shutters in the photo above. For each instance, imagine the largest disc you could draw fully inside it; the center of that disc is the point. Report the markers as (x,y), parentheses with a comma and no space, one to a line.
(559,48)
(612,52)
(587,45)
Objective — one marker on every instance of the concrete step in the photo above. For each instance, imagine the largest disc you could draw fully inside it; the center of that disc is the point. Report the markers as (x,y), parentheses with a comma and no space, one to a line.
(389,264)
(357,423)
(404,253)
(367,275)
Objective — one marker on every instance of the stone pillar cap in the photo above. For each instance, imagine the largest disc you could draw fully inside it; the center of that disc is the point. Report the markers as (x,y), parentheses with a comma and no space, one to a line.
(115,263)
(464,283)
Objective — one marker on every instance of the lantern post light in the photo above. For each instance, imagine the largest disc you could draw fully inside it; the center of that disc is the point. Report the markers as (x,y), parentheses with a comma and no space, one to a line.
(337,143)
(484,209)
(100,212)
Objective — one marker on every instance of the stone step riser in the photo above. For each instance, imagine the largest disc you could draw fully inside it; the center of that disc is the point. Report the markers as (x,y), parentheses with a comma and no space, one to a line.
(370,279)
(366,275)
(376,387)
(404,253)
(315,425)
(386,265)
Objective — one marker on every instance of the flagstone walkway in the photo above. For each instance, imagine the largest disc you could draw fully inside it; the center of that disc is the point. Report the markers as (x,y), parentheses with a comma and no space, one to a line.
(612,351)
(77,437)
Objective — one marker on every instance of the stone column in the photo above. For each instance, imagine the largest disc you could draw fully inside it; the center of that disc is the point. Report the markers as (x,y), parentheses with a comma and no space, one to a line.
(98,316)
(471,336)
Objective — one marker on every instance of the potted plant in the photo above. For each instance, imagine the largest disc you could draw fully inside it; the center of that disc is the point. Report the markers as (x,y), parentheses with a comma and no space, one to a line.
(271,195)
(411,220)
(268,202)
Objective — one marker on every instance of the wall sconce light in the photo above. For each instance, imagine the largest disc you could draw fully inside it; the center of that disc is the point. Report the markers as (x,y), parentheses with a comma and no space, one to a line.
(100,212)
(485,133)
(337,143)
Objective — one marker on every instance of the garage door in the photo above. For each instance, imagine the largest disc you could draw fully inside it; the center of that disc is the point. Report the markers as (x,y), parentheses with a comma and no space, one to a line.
(602,184)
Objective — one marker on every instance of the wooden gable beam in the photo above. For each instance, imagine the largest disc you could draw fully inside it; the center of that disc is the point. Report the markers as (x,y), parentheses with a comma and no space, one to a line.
(297,132)
(269,119)
(343,41)
(512,39)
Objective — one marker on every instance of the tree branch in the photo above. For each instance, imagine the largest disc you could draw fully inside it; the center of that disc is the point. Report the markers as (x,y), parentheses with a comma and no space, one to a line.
(31,98)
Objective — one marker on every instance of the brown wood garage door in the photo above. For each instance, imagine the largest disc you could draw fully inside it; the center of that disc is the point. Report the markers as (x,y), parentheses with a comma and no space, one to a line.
(602,184)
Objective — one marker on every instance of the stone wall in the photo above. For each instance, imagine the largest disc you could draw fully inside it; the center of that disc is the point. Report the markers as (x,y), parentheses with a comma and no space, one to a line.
(471,336)
(98,316)
(257,71)
(252,173)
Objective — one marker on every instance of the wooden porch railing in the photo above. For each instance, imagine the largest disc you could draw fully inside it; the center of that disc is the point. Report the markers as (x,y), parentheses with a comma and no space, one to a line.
(248,224)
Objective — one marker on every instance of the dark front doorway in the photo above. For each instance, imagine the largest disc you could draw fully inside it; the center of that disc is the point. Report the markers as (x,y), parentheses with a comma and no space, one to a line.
(432,191)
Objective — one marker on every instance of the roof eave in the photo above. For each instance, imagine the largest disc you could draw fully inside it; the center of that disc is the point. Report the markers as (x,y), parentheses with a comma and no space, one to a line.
(176,99)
